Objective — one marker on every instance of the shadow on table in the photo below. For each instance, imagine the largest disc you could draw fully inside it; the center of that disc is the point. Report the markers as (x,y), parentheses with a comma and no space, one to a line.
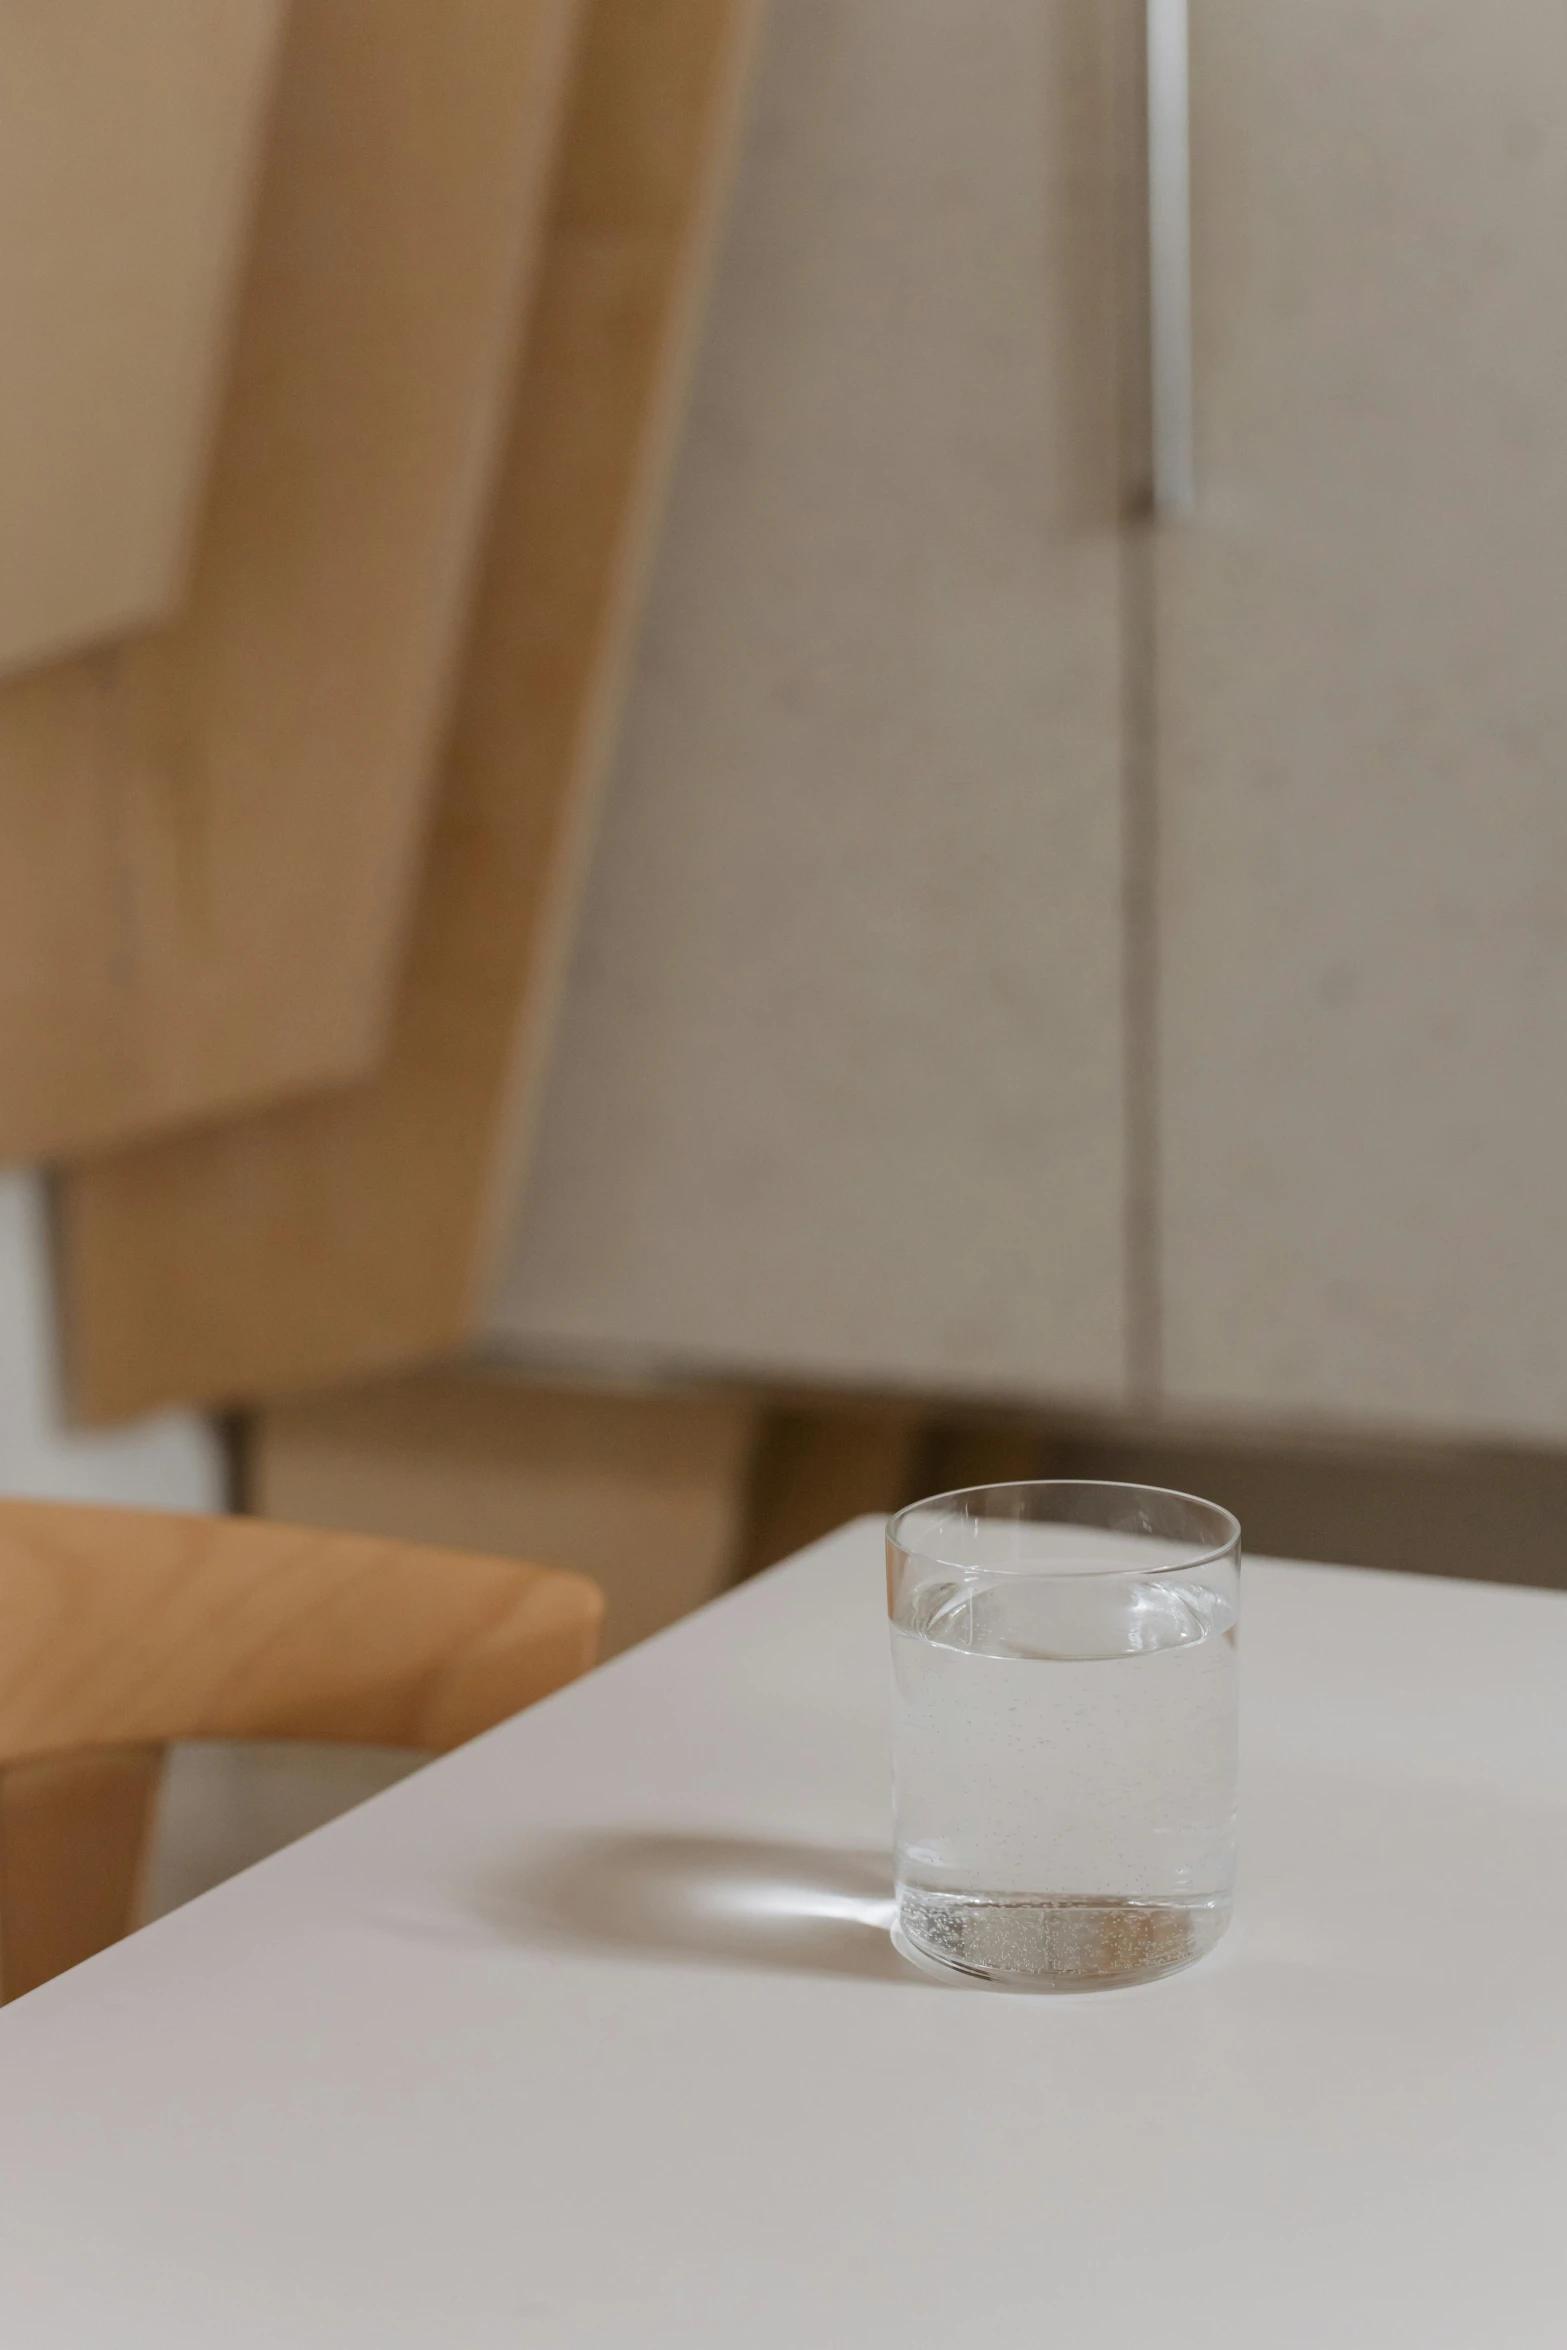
(726,1900)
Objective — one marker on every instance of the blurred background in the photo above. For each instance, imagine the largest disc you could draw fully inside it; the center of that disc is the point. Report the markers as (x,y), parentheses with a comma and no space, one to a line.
(754,759)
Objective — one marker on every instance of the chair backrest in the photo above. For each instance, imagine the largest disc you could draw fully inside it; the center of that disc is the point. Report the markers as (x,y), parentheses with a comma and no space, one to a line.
(121,1630)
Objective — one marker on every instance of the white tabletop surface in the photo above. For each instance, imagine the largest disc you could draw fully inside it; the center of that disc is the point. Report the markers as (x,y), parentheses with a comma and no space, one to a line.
(591,2035)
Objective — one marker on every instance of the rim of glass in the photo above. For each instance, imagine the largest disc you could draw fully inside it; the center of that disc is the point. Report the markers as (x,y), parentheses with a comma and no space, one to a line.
(961,1493)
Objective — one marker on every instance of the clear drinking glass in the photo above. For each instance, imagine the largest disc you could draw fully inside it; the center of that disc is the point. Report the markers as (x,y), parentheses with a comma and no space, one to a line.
(1064,1725)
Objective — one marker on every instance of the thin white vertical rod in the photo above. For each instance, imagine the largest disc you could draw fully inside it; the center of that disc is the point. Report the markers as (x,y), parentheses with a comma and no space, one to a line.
(1170,255)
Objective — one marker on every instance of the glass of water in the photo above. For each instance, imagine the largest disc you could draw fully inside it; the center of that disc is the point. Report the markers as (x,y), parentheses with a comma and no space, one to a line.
(1064,1723)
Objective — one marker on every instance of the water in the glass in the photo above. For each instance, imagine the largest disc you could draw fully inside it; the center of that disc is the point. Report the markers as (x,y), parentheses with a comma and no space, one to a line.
(1064,1760)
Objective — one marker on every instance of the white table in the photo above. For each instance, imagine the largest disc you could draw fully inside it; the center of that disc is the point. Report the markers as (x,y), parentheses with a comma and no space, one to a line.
(590,2035)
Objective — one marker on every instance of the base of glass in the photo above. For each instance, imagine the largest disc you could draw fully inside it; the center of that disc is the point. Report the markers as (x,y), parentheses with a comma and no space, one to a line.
(1058,1944)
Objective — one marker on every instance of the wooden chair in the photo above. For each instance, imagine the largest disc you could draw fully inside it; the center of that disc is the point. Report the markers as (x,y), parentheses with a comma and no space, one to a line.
(121,1630)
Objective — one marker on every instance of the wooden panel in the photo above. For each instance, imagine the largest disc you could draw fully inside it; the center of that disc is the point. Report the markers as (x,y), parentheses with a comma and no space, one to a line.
(207,835)
(128,144)
(357,1232)
(819,1465)
(175,1461)
(644,1492)
(839,1090)
(1363,702)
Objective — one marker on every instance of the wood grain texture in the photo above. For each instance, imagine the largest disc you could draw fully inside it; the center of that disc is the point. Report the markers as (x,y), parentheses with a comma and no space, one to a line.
(839,1093)
(129,144)
(126,1626)
(1362,703)
(125,1629)
(208,834)
(643,1491)
(359,1231)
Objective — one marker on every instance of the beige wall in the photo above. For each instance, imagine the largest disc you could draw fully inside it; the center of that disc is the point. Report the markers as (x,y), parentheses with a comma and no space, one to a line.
(1363,723)
(839,1090)
(841,1084)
